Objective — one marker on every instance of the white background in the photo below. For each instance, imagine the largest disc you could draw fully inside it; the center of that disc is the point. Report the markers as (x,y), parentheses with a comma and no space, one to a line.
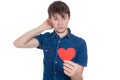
(97,21)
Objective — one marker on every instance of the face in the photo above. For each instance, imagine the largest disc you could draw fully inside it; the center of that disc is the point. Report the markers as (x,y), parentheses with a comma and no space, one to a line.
(59,22)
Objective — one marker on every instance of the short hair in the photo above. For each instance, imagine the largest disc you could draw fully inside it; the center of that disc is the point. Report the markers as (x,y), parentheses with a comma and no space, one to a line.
(58,7)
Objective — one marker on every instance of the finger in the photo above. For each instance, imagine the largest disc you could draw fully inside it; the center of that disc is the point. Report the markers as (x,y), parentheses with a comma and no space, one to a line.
(70,62)
(67,69)
(68,66)
(66,72)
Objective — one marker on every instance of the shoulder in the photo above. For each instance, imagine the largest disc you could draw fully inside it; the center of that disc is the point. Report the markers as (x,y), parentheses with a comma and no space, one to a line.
(43,36)
(77,38)
(46,34)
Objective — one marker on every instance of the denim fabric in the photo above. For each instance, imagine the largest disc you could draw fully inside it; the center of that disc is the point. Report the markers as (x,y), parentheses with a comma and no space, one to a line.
(53,65)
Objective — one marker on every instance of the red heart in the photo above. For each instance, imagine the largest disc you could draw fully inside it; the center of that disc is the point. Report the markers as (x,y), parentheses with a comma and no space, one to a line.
(66,54)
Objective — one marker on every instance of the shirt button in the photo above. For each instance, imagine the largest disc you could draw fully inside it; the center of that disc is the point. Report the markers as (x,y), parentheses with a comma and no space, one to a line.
(55,61)
(59,41)
(55,72)
(46,50)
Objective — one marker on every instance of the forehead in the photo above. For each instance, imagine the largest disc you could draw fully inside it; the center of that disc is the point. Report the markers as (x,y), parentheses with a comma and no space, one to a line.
(59,15)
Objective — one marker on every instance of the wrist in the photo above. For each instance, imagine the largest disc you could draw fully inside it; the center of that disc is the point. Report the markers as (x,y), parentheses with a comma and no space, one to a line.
(80,77)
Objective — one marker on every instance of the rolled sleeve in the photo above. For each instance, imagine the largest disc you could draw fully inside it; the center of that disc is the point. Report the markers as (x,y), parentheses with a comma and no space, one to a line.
(42,39)
(82,56)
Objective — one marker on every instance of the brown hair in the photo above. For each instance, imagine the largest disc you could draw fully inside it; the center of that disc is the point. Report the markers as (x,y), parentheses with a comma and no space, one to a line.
(58,7)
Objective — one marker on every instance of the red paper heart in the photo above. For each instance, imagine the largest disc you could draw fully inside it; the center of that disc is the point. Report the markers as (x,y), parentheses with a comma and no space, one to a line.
(66,54)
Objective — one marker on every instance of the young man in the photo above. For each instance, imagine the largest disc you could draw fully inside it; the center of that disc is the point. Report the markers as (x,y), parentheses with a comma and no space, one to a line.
(65,55)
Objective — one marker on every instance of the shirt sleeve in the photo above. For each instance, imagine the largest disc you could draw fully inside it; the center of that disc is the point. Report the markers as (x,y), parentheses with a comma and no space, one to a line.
(42,39)
(82,56)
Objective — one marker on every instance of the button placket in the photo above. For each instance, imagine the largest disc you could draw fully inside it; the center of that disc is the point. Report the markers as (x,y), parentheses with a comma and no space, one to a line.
(55,63)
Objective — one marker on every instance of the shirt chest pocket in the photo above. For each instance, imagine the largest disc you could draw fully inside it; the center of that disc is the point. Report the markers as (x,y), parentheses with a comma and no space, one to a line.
(49,53)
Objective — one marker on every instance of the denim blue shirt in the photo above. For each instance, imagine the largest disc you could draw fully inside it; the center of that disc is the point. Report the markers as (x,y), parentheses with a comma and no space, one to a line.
(53,64)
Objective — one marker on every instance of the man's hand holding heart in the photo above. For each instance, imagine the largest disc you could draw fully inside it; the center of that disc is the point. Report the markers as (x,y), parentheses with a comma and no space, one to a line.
(71,69)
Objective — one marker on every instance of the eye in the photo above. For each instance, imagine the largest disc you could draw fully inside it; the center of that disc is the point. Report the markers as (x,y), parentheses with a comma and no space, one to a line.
(55,18)
(64,18)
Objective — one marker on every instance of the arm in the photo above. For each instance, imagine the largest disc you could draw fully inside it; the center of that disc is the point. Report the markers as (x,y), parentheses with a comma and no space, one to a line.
(73,70)
(27,40)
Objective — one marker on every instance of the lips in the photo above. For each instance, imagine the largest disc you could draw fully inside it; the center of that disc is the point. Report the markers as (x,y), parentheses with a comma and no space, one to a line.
(60,27)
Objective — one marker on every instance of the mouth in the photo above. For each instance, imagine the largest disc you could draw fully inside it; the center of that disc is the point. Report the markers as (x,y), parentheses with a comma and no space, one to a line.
(60,27)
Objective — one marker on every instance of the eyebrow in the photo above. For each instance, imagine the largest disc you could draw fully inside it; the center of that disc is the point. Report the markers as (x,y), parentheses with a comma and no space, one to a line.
(63,15)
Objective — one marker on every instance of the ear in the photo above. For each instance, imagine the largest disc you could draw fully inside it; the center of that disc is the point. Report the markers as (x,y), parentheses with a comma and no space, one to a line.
(49,21)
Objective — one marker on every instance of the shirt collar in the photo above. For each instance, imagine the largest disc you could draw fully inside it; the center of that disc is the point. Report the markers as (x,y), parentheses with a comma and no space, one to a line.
(54,34)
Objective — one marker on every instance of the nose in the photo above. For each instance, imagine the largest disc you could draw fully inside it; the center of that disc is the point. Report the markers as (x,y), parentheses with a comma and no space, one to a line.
(60,22)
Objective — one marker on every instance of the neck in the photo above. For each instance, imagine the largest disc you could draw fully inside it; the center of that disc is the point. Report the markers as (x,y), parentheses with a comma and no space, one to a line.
(61,35)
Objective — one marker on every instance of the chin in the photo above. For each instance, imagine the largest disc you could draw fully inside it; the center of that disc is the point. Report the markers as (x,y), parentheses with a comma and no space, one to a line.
(61,31)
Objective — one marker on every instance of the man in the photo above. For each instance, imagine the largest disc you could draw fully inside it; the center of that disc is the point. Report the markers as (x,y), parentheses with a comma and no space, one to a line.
(65,55)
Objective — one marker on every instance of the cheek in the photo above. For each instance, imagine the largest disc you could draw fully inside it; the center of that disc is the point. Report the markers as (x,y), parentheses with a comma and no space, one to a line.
(54,23)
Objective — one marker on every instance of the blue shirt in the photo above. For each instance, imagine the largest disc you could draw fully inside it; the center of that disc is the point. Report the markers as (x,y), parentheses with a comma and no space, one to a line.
(50,43)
